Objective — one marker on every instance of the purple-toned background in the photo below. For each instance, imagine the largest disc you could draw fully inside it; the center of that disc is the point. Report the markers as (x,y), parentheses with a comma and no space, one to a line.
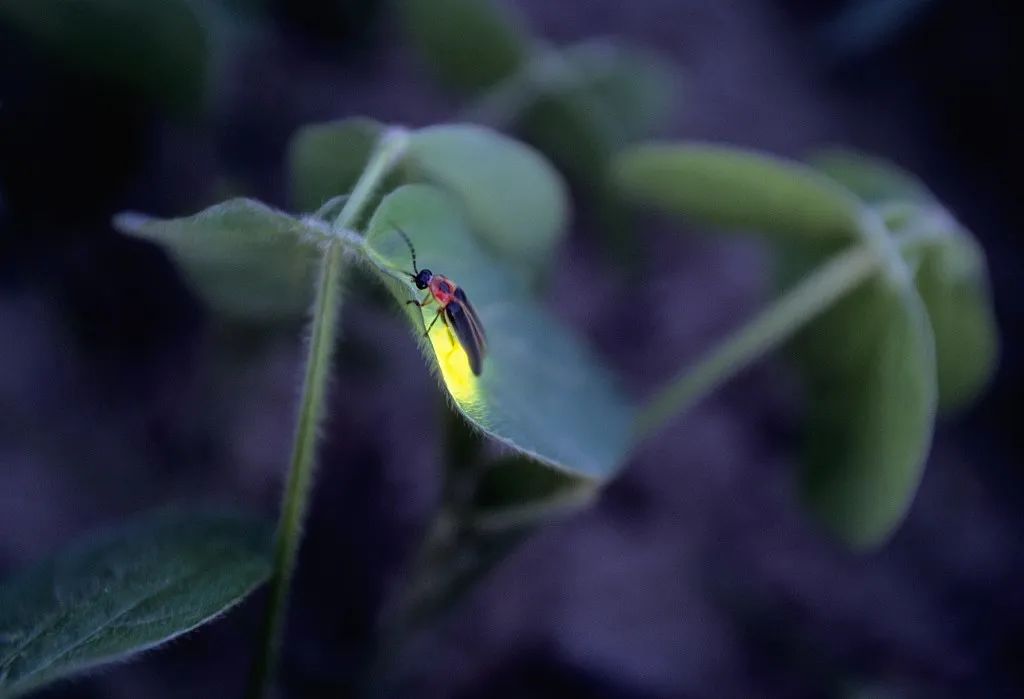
(697,574)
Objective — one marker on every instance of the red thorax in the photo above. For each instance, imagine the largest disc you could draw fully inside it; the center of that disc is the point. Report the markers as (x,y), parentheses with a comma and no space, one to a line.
(442,289)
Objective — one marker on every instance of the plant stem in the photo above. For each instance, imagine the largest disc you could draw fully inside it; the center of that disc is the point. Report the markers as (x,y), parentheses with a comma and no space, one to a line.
(312,407)
(801,304)
(300,472)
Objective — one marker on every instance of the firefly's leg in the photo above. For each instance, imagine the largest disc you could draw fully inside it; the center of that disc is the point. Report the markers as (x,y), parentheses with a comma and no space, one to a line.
(448,325)
(436,316)
(422,303)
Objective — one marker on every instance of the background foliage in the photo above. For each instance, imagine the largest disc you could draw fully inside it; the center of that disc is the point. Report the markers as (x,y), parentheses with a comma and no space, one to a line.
(159,398)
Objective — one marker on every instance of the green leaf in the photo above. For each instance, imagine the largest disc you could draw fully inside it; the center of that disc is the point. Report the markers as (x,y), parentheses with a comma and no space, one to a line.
(589,100)
(246,259)
(514,496)
(871,370)
(606,95)
(156,47)
(738,189)
(517,493)
(635,88)
(574,131)
(953,282)
(469,44)
(952,278)
(541,392)
(125,591)
(515,201)
(325,160)
(872,179)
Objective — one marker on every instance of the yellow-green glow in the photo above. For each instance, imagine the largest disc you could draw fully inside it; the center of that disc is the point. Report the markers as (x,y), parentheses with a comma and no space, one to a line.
(458,377)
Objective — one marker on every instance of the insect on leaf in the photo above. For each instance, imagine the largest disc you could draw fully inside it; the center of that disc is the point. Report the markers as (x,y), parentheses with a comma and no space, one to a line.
(541,391)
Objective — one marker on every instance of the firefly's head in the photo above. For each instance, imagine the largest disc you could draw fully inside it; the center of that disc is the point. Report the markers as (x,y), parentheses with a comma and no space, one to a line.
(422,278)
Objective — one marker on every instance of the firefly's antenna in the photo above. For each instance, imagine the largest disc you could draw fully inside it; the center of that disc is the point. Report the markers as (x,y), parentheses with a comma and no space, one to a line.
(412,250)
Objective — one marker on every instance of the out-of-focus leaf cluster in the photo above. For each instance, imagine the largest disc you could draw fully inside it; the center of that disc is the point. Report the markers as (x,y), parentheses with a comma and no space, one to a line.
(917,336)
(579,104)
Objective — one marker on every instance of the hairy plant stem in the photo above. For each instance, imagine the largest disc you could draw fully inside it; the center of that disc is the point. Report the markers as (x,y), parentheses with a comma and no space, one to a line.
(800,305)
(312,405)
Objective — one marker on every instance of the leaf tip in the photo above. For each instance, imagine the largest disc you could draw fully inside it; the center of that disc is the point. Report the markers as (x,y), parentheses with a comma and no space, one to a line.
(130,222)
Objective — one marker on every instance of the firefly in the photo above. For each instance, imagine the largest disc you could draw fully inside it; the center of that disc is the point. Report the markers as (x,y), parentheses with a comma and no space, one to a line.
(454,309)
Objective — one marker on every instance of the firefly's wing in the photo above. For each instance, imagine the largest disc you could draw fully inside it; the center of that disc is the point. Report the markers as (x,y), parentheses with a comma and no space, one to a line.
(462,319)
(478,326)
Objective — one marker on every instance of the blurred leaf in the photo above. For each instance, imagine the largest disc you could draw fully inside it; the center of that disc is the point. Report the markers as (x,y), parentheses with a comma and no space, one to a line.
(581,104)
(737,189)
(872,179)
(516,493)
(246,259)
(325,160)
(951,274)
(157,47)
(606,95)
(953,282)
(636,88)
(541,391)
(871,369)
(572,129)
(470,44)
(126,591)
(514,199)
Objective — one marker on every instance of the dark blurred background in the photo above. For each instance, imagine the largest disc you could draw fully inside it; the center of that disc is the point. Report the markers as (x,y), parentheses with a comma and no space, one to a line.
(697,574)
